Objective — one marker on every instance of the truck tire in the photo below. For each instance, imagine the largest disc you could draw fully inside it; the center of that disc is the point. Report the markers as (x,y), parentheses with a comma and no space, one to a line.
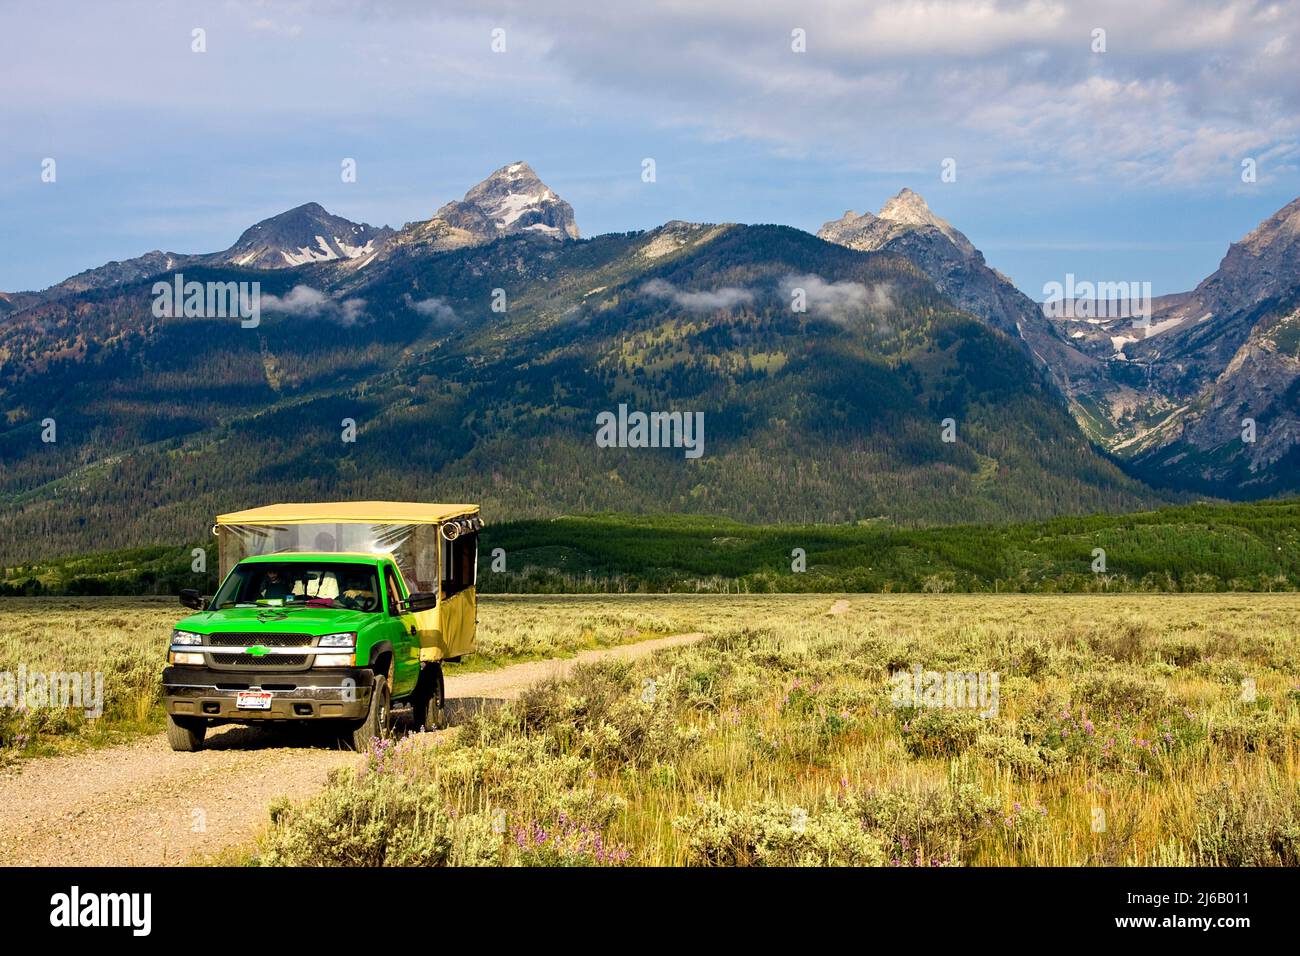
(429,702)
(185,735)
(377,721)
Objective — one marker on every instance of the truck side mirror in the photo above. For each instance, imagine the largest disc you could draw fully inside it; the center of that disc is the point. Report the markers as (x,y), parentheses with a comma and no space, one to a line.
(192,598)
(421,601)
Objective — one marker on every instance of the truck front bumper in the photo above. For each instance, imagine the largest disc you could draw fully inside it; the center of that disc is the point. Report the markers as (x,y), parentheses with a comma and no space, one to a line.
(301,695)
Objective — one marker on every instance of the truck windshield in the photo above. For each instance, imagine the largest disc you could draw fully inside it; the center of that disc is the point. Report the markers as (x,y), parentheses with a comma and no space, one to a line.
(301,584)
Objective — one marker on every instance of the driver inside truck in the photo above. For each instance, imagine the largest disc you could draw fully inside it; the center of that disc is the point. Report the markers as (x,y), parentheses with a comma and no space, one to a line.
(356,591)
(276,585)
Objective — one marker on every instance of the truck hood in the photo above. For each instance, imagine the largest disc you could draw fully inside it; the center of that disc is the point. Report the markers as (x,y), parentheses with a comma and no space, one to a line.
(277,620)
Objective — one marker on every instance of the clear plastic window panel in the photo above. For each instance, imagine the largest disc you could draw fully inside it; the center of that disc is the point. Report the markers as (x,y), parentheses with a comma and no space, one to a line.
(414,546)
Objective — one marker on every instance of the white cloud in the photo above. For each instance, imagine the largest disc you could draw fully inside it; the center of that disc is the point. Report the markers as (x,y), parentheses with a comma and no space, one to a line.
(303,300)
(891,85)
(726,297)
(996,84)
(1008,88)
(839,300)
(351,310)
(434,308)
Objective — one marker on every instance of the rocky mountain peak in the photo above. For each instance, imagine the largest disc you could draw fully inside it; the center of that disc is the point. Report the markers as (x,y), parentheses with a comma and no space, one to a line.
(906,212)
(906,226)
(511,200)
(1281,227)
(306,233)
(907,206)
(1261,266)
(910,209)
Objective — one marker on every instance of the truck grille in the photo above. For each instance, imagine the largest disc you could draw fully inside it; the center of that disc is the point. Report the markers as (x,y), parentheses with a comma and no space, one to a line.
(240,639)
(268,662)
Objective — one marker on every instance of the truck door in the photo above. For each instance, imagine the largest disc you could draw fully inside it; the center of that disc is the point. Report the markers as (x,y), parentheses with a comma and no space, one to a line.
(406,645)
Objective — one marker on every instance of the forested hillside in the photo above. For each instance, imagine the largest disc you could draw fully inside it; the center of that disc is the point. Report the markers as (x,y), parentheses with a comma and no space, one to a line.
(1246,547)
(833,413)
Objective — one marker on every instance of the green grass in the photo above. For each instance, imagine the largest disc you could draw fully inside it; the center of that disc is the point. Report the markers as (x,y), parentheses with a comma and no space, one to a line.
(775,740)
(1124,736)
(124,639)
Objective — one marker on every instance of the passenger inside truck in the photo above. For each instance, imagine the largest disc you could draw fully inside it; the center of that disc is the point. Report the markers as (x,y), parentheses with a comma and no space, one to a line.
(276,585)
(323,586)
(332,584)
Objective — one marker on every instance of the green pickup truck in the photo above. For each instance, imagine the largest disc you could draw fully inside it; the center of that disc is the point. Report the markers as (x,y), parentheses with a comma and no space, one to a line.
(323,635)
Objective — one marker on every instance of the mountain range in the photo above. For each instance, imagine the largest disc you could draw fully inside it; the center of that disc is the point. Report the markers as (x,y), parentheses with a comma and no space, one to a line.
(1168,393)
(880,371)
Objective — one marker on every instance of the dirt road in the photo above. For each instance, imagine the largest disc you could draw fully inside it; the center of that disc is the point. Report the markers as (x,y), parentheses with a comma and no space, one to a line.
(142,805)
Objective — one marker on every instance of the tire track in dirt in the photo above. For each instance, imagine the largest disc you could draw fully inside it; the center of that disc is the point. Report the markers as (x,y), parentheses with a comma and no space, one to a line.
(140,804)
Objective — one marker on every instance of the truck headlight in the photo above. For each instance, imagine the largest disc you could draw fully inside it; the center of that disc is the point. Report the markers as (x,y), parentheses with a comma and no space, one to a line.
(183,657)
(186,637)
(346,639)
(334,660)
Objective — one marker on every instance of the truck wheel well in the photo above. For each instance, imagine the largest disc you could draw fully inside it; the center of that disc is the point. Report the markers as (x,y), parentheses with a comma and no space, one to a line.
(382,664)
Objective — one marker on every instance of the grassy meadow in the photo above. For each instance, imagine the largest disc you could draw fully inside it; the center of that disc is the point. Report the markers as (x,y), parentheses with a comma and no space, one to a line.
(126,639)
(1130,730)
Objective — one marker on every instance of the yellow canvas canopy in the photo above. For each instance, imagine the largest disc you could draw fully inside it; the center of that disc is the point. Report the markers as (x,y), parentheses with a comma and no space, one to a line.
(348,512)
(435,546)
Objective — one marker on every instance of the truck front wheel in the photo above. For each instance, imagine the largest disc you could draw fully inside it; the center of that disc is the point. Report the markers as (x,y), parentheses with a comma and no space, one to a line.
(185,734)
(376,721)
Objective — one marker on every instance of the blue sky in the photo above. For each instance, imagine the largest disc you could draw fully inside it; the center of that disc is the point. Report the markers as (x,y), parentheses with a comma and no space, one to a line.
(1123,164)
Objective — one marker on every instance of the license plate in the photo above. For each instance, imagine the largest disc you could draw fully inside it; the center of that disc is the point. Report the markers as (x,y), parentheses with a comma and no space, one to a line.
(253,700)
